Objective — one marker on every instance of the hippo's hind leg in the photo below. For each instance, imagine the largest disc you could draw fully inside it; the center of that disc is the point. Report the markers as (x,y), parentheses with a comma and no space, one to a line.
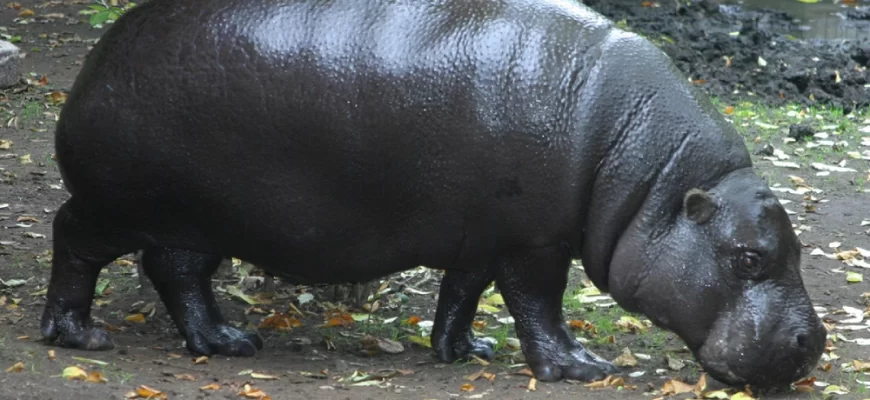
(459,295)
(532,283)
(183,280)
(82,247)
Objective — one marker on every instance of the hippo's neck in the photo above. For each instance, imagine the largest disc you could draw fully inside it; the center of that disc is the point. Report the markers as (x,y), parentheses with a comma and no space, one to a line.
(658,138)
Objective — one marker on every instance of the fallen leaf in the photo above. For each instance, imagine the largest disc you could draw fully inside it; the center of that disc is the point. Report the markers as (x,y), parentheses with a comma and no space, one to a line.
(236,292)
(372,345)
(716,394)
(533,383)
(854,277)
(257,375)
(210,386)
(74,373)
(729,110)
(281,322)
(674,363)
(625,359)
(630,324)
(90,361)
(861,366)
(26,13)
(96,377)
(184,377)
(52,355)
(253,393)
(610,380)
(57,97)
(742,396)
(17,367)
(413,320)
(467,387)
(201,360)
(422,341)
(676,387)
(5,144)
(149,393)
(339,319)
(135,318)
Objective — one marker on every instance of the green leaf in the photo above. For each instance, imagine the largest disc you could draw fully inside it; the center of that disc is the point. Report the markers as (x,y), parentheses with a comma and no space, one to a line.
(854,277)
(425,342)
(100,17)
(102,285)
(235,291)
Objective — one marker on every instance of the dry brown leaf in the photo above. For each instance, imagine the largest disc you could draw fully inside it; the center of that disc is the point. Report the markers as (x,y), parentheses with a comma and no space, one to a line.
(150,393)
(610,380)
(135,318)
(281,322)
(339,319)
(17,367)
(210,386)
(253,393)
(257,375)
(201,360)
(676,387)
(625,359)
(52,355)
(26,13)
(475,376)
(533,383)
(185,377)
(413,320)
(806,385)
(96,377)
(467,387)
(524,371)
(861,366)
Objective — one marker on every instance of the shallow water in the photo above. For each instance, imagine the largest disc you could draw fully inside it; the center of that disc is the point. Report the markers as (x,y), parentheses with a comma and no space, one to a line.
(822,20)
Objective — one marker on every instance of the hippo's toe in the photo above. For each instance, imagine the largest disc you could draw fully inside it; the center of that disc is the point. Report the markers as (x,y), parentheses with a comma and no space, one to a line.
(224,340)
(580,365)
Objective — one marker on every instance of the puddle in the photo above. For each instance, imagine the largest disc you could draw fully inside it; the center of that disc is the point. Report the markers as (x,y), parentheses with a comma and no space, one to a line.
(822,20)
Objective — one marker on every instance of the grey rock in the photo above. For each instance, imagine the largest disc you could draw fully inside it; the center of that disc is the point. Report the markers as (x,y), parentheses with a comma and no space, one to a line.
(10,64)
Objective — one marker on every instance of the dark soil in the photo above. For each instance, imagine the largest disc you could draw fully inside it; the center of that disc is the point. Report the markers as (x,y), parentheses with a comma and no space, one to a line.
(315,363)
(699,38)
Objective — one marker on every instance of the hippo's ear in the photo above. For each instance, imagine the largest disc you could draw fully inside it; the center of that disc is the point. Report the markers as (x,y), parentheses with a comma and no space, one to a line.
(699,206)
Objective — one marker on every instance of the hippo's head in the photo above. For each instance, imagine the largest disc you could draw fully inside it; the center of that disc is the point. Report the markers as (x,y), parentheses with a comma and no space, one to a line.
(724,275)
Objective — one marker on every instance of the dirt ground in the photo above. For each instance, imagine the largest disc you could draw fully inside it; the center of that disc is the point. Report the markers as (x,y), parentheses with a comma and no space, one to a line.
(316,362)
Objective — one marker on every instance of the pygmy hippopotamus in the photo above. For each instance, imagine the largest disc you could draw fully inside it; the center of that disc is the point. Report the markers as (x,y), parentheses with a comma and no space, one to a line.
(344,140)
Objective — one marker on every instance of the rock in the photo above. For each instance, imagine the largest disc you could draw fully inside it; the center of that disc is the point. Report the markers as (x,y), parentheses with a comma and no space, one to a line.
(10,64)
(764,149)
(800,131)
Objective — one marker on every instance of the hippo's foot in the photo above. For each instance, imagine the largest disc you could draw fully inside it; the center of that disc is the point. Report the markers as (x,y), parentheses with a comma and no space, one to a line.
(224,340)
(452,338)
(80,252)
(183,280)
(71,331)
(532,283)
(575,363)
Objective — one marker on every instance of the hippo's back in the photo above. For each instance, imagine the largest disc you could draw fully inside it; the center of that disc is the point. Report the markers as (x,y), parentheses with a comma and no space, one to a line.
(379,117)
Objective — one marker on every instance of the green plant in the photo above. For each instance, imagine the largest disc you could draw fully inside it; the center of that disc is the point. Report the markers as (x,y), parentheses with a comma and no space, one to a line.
(108,11)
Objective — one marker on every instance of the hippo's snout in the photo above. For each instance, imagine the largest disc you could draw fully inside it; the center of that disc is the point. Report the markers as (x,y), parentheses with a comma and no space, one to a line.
(741,351)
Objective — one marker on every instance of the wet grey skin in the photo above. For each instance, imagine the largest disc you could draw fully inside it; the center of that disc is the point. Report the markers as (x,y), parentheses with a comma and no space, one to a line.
(344,140)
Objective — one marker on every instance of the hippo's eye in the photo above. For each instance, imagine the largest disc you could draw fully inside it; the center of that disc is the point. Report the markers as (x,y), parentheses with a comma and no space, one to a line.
(750,265)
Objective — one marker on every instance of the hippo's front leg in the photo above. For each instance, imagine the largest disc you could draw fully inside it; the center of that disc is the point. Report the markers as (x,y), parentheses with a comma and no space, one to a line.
(458,297)
(532,283)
